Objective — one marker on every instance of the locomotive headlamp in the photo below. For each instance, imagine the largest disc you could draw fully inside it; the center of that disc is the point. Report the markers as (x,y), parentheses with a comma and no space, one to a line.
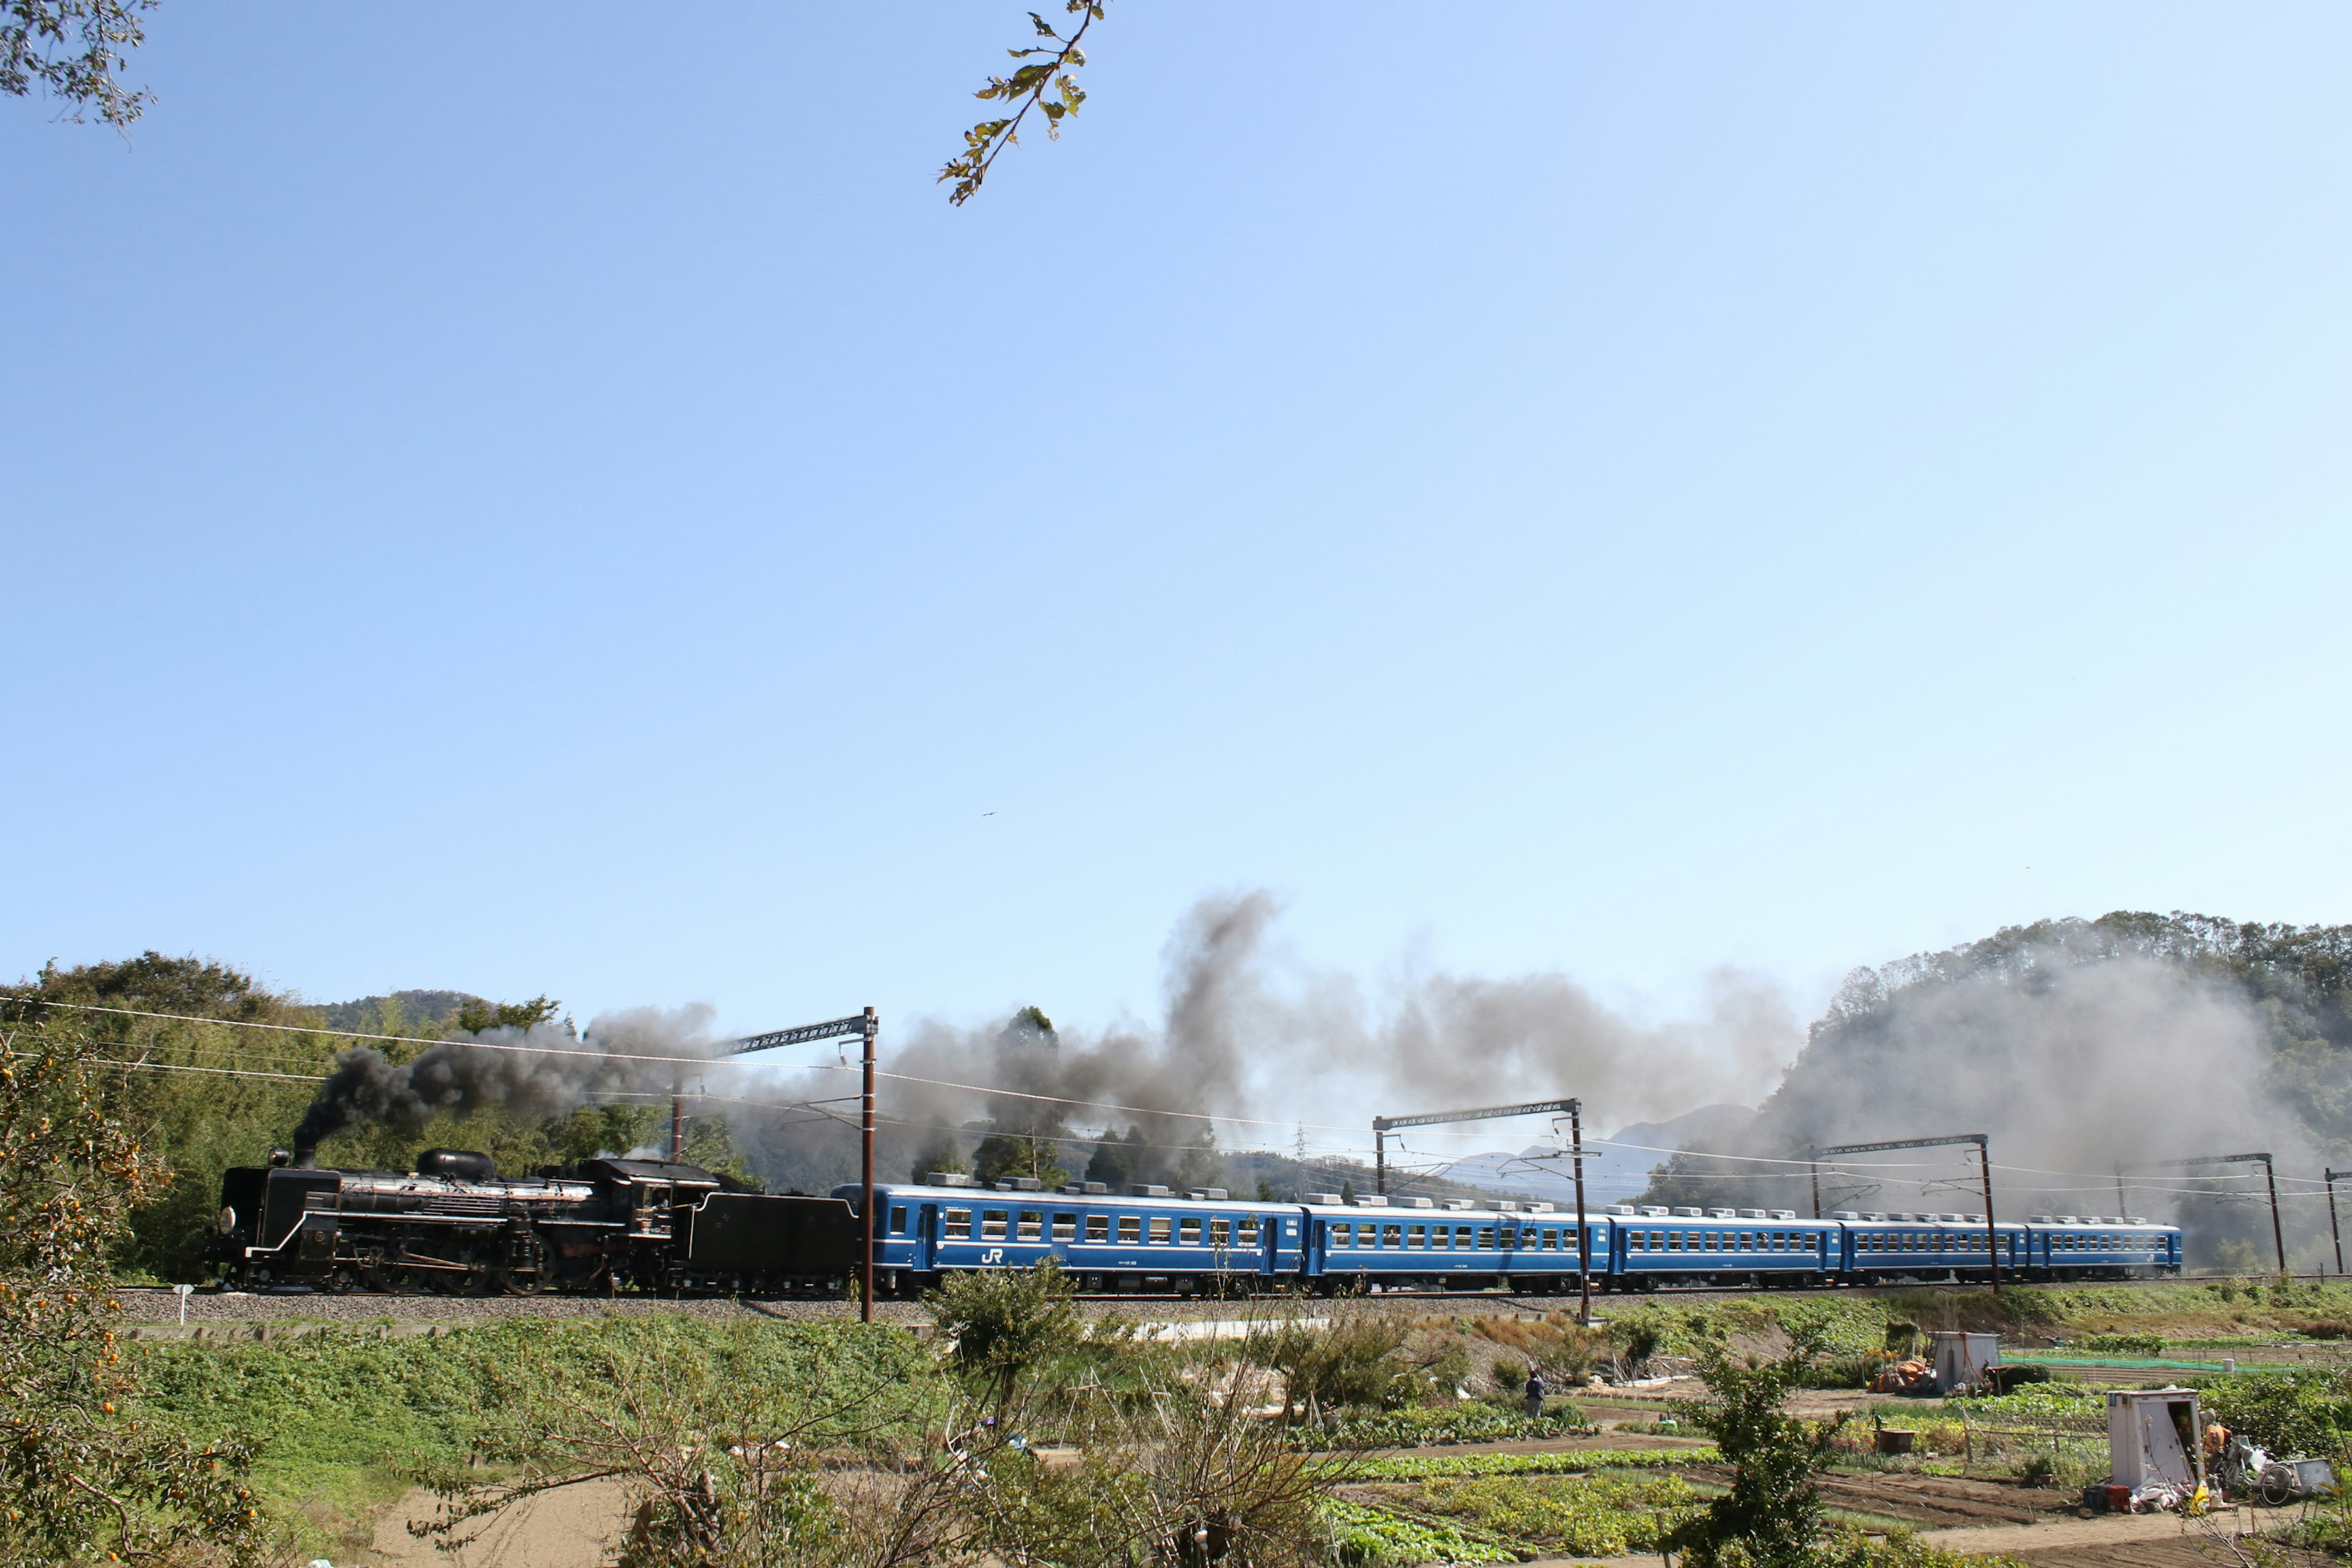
(227,1222)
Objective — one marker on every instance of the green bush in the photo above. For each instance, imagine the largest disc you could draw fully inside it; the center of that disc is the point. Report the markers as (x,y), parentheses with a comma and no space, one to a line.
(2123,1344)
(1466,1423)
(2286,1412)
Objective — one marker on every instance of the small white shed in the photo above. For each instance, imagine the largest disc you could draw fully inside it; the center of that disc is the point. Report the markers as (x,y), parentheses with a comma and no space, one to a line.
(1961,1359)
(2154,1435)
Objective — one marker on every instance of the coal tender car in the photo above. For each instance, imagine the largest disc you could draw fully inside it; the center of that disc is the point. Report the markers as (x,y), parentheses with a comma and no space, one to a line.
(455,1224)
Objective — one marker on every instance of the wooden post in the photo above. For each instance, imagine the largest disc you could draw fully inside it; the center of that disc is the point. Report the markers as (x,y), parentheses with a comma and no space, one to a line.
(1992,1232)
(1816,1165)
(866,1267)
(2278,1235)
(2335,1229)
(1583,1231)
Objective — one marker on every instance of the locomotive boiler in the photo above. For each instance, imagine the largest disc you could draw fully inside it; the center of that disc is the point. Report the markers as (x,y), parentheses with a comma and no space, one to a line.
(454,1225)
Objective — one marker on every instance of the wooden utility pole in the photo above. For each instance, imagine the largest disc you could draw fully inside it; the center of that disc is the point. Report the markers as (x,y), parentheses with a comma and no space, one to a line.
(1583,1231)
(865,1208)
(2335,1229)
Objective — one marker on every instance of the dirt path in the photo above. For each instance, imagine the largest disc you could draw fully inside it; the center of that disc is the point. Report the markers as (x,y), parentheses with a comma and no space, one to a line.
(566,1529)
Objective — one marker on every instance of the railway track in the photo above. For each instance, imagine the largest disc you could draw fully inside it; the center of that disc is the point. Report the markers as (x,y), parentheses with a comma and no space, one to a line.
(161,1305)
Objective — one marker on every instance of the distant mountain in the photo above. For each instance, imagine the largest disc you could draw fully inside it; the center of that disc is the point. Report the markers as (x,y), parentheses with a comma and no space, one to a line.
(1612,1174)
(398,1013)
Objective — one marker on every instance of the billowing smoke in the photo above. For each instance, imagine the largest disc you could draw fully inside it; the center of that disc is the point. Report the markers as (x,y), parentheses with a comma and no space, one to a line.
(2077,1061)
(1250,1031)
(543,1071)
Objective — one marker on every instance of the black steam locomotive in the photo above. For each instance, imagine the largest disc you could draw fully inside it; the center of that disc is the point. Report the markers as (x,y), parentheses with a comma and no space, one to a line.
(454,1225)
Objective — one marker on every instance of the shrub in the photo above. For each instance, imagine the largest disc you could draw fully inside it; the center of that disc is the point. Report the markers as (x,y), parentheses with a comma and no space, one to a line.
(1002,1322)
(1771,1515)
(1466,1423)
(2123,1344)
(2287,1413)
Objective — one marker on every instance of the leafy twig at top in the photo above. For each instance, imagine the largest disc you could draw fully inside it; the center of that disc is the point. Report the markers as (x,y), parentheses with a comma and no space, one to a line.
(1048,70)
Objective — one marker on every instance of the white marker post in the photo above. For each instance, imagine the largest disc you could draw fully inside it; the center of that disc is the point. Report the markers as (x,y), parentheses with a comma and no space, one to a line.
(183,1292)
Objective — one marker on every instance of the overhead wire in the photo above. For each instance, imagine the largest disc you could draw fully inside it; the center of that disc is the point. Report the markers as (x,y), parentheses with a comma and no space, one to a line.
(1590,1144)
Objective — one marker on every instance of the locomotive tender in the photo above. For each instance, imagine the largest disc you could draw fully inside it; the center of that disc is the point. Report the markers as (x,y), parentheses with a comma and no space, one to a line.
(455,1224)
(612,1223)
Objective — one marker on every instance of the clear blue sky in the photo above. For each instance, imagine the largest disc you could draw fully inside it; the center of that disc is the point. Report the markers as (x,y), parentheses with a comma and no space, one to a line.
(524,498)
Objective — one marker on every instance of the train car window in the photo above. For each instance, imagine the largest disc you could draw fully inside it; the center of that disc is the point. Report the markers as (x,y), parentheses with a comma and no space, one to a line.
(1189,1232)
(992,1224)
(1416,1237)
(1637,1241)
(1486,1238)
(1747,1241)
(1065,1227)
(1510,1237)
(1674,1240)
(1249,1230)
(1462,1239)
(1030,1225)
(1221,1232)
(897,1219)
(1657,1240)
(1130,1228)
(959,1224)
(1392,1235)
(1098,1228)
(1161,1227)
(1339,1235)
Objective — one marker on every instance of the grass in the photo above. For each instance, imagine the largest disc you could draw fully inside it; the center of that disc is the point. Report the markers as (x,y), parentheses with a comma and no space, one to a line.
(344,1420)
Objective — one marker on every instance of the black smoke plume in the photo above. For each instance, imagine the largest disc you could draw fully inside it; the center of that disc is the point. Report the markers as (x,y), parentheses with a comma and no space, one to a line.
(545,1071)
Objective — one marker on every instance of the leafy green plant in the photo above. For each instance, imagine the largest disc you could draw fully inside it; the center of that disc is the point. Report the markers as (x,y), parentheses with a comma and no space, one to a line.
(1465,1422)
(1425,1467)
(1771,1515)
(1001,1322)
(82,1478)
(1589,1516)
(2286,1412)
(2123,1344)
(1364,1536)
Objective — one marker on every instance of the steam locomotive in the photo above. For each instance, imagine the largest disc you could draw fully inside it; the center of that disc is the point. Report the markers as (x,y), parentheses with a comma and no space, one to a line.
(455,1224)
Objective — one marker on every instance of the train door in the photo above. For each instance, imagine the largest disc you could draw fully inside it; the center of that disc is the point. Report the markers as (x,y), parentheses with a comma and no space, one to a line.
(926,1235)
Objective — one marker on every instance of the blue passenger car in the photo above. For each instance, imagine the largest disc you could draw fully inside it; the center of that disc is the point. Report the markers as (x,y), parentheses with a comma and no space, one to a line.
(1148,1240)
(1380,1243)
(1882,1248)
(2077,1247)
(1656,1246)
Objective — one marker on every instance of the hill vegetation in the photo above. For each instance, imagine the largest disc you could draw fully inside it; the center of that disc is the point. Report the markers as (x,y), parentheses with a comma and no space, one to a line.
(2082,1046)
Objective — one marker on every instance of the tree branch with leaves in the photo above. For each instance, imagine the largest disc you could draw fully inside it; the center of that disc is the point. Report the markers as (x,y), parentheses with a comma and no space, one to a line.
(1048,71)
(72,49)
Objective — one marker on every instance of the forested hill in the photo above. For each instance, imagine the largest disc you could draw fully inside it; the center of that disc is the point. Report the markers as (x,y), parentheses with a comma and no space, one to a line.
(2079,1046)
